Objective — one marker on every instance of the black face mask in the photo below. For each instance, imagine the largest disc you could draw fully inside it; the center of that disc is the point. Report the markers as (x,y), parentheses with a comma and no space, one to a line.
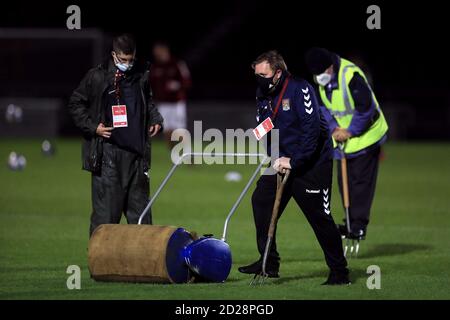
(266,84)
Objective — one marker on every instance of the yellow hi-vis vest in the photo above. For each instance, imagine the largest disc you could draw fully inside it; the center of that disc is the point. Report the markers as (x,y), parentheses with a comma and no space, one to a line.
(342,108)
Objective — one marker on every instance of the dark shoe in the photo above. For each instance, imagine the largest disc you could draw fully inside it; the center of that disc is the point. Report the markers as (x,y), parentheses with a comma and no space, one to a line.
(357,235)
(337,279)
(253,268)
(256,268)
(342,230)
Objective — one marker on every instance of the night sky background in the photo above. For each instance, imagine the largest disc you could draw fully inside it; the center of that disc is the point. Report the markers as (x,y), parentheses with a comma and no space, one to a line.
(407,58)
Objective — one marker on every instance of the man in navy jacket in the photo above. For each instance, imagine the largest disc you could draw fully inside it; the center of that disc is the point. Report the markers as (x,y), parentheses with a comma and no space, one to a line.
(305,147)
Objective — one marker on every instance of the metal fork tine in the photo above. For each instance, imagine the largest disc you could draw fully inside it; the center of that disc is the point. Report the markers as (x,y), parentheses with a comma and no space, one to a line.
(357,248)
(259,279)
(352,248)
(346,247)
(253,281)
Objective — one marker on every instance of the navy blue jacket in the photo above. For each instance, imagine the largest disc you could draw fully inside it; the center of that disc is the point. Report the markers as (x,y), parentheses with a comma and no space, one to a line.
(303,131)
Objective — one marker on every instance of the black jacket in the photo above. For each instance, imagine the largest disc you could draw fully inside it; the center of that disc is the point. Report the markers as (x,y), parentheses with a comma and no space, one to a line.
(87,105)
(303,131)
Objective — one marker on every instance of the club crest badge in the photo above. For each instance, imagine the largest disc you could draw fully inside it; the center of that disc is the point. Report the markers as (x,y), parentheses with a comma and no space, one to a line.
(286,105)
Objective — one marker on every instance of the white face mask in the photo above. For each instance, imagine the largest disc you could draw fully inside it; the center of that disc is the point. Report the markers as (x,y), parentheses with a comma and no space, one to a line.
(323,79)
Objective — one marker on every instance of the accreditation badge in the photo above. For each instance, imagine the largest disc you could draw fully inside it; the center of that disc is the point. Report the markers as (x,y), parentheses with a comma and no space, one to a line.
(263,128)
(119,113)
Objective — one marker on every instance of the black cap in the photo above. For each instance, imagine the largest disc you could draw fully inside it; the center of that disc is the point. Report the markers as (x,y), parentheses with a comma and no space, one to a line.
(318,60)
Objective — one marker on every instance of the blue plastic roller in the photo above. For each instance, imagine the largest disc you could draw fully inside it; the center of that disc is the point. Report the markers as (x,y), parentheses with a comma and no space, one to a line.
(210,258)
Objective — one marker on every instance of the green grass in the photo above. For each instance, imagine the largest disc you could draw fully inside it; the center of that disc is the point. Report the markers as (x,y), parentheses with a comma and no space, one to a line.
(45,210)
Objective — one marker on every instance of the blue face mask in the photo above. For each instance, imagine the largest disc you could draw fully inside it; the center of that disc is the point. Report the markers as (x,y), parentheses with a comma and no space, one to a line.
(122,66)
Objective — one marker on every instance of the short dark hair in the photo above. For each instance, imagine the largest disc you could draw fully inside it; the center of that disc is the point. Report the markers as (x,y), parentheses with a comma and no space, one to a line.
(273,58)
(124,43)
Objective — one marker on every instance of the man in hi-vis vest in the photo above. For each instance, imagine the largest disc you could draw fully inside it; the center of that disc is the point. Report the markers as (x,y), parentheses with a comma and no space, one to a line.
(357,124)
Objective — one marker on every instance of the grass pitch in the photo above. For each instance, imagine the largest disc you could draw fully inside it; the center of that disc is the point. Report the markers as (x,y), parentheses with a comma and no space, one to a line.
(45,210)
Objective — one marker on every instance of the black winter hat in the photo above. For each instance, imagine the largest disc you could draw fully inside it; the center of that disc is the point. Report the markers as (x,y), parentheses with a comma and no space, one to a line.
(318,60)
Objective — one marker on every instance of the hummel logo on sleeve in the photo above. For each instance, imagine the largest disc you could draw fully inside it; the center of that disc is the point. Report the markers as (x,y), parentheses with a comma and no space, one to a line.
(306,101)
(326,202)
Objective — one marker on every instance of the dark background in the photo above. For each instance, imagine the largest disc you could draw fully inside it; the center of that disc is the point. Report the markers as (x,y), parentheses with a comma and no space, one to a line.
(407,58)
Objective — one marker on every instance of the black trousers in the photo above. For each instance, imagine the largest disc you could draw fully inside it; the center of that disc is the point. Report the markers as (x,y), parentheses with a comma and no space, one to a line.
(121,186)
(312,192)
(362,174)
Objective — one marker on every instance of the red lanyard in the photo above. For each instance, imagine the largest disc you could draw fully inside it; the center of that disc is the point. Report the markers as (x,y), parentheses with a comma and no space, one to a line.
(117,77)
(283,90)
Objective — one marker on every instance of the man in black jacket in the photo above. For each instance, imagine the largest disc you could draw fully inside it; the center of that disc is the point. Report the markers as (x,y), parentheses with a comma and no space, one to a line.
(113,108)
